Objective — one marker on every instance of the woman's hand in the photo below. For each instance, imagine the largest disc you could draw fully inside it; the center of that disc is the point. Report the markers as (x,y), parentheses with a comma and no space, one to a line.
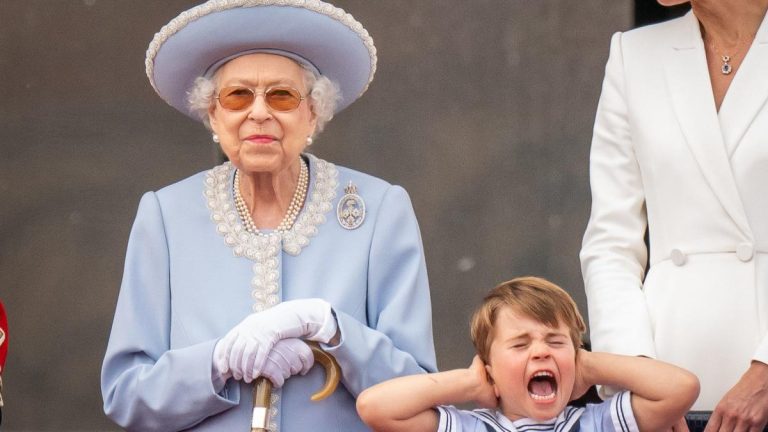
(287,358)
(485,395)
(245,348)
(745,406)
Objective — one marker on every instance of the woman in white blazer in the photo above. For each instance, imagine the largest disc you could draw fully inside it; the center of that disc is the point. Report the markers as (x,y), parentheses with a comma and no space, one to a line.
(681,146)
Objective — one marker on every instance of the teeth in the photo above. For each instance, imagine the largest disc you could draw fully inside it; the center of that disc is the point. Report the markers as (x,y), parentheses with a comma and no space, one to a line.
(547,397)
(542,398)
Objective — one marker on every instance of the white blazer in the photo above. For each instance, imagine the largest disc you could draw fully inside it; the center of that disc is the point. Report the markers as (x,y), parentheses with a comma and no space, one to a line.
(663,157)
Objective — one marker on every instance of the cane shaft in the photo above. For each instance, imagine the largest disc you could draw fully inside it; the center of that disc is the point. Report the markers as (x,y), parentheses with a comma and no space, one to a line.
(262,399)
(262,390)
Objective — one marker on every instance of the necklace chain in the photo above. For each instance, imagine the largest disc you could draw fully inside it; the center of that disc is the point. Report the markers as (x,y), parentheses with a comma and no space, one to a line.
(297,202)
(726,68)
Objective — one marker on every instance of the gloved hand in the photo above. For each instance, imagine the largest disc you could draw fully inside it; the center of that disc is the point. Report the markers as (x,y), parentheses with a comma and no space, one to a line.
(287,358)
(246,346)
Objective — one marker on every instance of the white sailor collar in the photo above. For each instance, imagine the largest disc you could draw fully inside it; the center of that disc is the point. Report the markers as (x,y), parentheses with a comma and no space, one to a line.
(500,423)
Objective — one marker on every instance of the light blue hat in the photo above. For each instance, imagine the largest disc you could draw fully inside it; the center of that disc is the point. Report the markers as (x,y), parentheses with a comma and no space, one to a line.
(314,33)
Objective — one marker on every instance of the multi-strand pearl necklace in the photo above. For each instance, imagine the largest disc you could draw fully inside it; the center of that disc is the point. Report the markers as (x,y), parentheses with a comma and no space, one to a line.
(297,202)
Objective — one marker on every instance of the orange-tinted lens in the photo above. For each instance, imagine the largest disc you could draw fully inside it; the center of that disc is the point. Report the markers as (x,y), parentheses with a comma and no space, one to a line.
(236,98)
(283,98)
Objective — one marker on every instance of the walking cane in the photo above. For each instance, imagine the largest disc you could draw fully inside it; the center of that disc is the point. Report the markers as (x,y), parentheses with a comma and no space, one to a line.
(262,391)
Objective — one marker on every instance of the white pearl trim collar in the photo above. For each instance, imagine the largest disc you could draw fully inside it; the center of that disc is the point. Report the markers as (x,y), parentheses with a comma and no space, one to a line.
(263,248)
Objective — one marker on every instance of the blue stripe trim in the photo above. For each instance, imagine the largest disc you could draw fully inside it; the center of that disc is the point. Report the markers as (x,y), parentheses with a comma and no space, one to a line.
(620,412)
(488,418)
(444,413)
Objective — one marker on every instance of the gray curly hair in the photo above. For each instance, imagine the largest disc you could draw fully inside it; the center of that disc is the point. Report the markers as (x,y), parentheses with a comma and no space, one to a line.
(323,96)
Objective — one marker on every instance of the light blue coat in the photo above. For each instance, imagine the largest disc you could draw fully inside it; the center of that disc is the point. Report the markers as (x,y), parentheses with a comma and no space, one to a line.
(185,286)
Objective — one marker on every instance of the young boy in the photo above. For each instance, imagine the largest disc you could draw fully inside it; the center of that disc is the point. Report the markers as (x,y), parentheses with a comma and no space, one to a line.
(527,334)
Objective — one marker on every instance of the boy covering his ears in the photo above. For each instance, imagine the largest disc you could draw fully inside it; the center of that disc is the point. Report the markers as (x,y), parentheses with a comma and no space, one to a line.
(529,365)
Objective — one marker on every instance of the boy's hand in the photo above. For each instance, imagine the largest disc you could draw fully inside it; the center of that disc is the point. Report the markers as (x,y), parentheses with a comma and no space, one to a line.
(485,396)
(582,383)
(680,426)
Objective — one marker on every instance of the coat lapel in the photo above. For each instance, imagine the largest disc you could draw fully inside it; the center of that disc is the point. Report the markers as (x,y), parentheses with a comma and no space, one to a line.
(694,106)
(748,91)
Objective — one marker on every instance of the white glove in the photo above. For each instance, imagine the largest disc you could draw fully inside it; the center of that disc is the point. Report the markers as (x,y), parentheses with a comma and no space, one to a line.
(246,346)
(287,358)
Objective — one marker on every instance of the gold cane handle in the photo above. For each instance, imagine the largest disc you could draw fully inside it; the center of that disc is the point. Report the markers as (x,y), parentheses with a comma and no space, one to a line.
(262,391)
(332,372)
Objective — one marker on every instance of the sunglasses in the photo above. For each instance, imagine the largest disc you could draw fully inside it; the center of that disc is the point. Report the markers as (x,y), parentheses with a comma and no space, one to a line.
(238,98)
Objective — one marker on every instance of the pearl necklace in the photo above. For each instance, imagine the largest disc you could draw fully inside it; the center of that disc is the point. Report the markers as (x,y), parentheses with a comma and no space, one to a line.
(297,202)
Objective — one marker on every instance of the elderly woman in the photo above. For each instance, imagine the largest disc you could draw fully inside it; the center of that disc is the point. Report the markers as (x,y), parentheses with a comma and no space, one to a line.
(230,271)
(680,147)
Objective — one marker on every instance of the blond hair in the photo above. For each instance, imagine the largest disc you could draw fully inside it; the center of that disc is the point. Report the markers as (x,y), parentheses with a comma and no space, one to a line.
(533,297)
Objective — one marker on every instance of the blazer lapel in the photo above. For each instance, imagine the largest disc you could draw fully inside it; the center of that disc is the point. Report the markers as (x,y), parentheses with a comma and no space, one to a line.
(694,105)
(748,91)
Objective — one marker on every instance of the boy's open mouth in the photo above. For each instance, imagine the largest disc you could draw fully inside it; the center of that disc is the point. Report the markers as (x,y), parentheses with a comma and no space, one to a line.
(542,386)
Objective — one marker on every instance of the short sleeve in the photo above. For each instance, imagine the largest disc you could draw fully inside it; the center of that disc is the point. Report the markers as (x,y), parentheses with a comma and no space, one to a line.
(452,419)
(615,414)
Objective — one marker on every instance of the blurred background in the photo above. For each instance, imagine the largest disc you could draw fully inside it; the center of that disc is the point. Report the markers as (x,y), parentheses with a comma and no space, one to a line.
(481,109)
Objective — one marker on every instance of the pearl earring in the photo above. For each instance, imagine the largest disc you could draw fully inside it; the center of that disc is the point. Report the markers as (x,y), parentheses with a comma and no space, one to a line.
(309,141)
(215,138)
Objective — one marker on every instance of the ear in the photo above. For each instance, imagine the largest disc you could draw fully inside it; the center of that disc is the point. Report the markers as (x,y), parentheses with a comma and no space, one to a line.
(310,133)
(312,121)
(491,381)
(212,118)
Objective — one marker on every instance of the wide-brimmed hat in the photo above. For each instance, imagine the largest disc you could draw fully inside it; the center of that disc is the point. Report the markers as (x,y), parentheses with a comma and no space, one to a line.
(314,33)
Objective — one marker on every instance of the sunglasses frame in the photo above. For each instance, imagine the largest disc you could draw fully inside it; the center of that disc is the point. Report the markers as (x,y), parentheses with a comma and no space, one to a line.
(256,93)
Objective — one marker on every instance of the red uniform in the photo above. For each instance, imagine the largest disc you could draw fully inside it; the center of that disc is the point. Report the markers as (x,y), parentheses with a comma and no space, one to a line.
(3,352)
(3,337)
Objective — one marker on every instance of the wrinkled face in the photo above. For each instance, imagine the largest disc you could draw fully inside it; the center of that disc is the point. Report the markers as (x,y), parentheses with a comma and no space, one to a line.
(533,366)
(259,139)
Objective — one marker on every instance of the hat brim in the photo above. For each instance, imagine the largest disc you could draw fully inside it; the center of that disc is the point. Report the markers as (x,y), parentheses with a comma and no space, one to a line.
(329,40)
